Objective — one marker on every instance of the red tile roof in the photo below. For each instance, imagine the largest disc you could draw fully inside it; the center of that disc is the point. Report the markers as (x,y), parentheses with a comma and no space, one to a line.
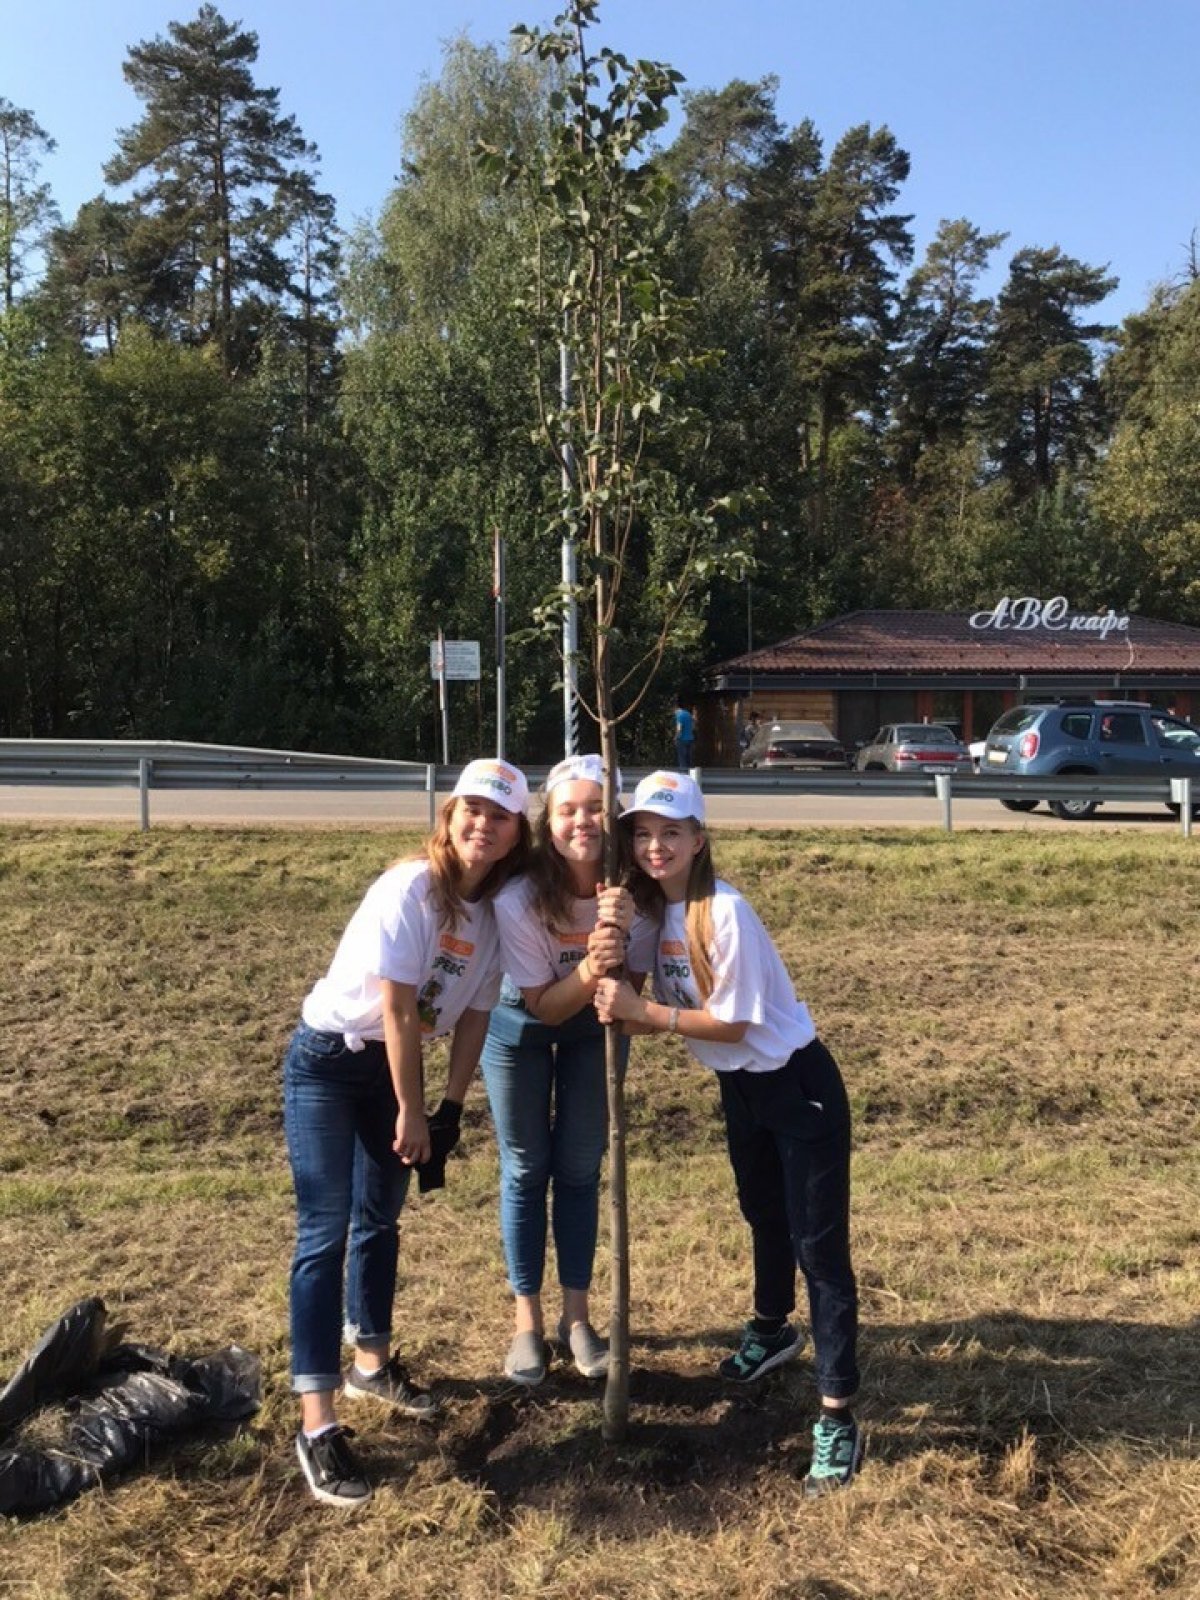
(939,641)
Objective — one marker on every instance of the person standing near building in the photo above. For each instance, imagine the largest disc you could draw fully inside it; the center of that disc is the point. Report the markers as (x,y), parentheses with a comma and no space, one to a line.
(720,984)
(685,736)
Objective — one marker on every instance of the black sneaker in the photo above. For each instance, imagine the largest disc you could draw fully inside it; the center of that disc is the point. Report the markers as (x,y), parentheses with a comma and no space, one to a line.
(837,1455)
(332,1469)
(392,1385)
(760,1352)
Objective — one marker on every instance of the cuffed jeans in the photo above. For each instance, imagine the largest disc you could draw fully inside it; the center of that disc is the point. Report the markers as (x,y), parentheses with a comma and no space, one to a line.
(549,1103)
(788,1133)
(340,1116)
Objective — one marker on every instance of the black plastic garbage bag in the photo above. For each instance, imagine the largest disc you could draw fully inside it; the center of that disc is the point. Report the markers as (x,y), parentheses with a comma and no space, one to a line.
(128,1398)
(66,1355)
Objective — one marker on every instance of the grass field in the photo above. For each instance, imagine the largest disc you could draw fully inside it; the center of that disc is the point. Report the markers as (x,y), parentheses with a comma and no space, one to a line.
(1016,1020)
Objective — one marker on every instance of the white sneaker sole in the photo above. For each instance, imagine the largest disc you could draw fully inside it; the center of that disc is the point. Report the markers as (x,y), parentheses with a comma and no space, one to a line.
(423,1413)
(777,1360)
(347,1502)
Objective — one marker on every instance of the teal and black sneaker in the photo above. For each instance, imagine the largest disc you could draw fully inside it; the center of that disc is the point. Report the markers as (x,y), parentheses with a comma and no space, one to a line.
(760,1352)
(837,1455)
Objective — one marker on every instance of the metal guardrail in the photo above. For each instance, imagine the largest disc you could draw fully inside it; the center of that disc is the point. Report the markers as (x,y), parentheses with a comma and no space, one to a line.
(168,764)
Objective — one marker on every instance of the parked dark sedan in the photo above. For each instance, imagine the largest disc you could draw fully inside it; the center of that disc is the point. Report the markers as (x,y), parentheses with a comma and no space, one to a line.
(781,745)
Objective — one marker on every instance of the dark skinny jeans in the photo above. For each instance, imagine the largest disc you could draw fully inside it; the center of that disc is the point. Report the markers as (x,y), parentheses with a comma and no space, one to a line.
(788,1133)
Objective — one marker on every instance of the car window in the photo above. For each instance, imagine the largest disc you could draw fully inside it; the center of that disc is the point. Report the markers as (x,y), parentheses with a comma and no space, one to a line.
(1077,724)
(1017,719)
(927,733)
(1121,727)
(1174,734)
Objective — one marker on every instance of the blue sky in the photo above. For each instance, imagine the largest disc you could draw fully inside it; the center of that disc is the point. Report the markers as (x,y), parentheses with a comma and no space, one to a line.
(1069,122)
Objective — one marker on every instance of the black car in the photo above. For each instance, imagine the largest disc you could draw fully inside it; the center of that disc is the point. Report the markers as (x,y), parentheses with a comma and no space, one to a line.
(800,745)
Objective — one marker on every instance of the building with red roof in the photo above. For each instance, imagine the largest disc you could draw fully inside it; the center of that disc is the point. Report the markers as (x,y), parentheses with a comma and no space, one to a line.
(859,671)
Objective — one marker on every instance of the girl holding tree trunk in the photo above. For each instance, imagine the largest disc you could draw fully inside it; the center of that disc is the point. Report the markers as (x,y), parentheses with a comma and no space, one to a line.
(420,958)
(561,929)
(720,984)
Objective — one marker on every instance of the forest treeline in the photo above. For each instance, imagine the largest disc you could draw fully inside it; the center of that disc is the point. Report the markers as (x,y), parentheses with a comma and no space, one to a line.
(249,464)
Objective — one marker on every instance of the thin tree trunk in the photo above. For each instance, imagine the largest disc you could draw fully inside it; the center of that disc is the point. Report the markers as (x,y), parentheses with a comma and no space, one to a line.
(616,1389)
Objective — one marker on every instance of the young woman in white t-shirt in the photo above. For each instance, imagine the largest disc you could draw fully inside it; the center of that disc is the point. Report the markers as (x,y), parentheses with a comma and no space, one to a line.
(719,983)
(543,1063)
(419,958)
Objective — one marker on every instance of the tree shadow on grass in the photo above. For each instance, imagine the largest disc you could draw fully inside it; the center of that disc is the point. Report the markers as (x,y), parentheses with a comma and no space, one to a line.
(699,1451)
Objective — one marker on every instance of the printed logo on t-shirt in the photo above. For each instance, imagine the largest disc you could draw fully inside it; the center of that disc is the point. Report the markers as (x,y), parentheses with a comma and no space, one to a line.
(451,960)
(576,944)
(675,972)
(427,1008)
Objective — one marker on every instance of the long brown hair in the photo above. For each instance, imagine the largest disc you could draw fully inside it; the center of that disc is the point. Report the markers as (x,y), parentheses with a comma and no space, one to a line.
(650,900)
(447,872)
(550,874)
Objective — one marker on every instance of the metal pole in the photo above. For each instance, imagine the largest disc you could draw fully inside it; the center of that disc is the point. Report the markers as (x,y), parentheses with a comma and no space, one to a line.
(498,595)
(570,578)
(431,791)
(443,699)
(144,794)
(941,783)
(1181,795)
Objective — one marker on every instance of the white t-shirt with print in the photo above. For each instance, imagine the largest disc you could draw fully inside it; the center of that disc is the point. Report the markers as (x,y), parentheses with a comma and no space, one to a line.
(396,934)
(750,984)
(534,954)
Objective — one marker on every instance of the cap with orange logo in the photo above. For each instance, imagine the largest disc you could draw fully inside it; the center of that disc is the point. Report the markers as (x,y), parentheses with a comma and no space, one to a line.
(494,780)
(669,794)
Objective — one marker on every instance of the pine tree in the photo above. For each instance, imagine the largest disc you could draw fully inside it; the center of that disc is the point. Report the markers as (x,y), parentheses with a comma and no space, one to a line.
(26,208)
(221,168)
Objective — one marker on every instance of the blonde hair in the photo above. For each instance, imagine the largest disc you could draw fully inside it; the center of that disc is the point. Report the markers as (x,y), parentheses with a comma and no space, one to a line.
(446,869)
(698,898)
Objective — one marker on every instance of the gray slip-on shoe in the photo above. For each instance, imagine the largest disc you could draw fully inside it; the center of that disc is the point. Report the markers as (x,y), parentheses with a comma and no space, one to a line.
(585,1348)
(526,1359)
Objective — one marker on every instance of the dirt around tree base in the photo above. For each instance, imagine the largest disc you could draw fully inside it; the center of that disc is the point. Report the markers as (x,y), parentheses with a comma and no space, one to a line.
(697,1452)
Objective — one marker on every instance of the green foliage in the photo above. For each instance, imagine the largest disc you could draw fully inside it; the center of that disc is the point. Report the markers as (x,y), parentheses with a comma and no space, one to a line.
(243,480)
(26,207)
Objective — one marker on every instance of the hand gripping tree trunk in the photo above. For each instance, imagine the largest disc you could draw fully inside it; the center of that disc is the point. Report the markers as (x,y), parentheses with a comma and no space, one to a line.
(598,282)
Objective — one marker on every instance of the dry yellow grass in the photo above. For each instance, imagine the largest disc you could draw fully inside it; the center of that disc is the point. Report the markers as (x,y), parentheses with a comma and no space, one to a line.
(1015,1015)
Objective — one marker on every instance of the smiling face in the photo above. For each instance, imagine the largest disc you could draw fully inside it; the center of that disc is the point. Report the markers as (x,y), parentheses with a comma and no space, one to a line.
(574,813)
(481,833)
(664,848)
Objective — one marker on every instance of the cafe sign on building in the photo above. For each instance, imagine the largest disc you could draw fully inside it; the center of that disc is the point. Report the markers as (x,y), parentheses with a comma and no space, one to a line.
(1056,616)
(860,671)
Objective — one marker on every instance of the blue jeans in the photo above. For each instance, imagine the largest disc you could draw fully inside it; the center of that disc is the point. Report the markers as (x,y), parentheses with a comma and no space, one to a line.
(788,1133)
(339,1112)
(549,1103)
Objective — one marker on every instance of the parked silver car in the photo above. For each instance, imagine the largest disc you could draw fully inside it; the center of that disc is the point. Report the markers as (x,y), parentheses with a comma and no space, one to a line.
(781,745)
(914,747)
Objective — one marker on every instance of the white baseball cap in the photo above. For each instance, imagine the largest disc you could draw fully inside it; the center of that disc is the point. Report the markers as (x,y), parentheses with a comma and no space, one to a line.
(575,769)
(669,794)
(495,780)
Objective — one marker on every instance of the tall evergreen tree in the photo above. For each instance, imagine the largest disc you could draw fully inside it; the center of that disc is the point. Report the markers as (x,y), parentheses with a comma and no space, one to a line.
(27,210)
(942,333)
(220,166)
(1044,402)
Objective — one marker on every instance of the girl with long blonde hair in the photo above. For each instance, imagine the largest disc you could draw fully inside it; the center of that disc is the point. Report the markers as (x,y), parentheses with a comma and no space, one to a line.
(720,984)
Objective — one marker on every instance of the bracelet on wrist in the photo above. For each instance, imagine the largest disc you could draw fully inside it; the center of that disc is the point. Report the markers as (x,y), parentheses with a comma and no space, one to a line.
(673,1020)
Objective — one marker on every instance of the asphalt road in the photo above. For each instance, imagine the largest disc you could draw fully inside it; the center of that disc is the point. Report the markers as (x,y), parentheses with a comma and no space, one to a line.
(252,808)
